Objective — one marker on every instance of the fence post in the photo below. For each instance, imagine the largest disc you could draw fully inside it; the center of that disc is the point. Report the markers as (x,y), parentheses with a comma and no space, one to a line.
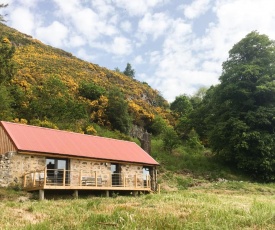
(80,177)
(45,176)
(33,181)
(64,177)
(24,182)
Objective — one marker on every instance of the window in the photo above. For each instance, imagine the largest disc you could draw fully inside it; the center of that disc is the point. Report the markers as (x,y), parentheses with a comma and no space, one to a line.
(55,170)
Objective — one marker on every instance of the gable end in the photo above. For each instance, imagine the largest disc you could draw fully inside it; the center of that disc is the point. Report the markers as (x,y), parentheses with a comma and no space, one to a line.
(6,145)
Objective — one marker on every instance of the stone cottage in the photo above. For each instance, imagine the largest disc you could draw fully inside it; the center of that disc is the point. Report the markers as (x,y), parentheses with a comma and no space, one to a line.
(38,158)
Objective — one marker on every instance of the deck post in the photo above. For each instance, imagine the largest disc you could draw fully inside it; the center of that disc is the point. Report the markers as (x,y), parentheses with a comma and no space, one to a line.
(80,178)
(24,182)
(64,176)
(41,194)
(33,180)
(135,193)
(107,193)
(45,176)
(158,188)
(75,194)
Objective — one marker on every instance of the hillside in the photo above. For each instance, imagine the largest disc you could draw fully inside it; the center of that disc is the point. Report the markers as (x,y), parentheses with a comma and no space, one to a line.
(39,66)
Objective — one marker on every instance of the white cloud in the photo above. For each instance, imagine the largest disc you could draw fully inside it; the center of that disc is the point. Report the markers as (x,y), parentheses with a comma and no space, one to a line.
(196,8)
(57,31)
(126,26)
(154,24)
(76,41)
(67,7)
(103,8)
(86,21)
(82,53)
(121,46)
(22,19)
(138,60)
(138,8)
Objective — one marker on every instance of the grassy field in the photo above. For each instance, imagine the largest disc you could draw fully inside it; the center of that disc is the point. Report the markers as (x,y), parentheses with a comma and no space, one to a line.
(219,205)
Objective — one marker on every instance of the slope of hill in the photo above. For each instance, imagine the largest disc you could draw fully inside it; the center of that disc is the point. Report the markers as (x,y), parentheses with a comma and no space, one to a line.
(40,68)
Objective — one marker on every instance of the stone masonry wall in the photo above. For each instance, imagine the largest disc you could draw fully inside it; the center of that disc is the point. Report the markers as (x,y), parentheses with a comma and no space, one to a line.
(89,168)
(103,170)
(14,165)
(130,172)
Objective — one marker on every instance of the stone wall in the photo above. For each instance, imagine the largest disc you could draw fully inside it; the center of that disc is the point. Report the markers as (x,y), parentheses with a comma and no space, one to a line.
(132,173)
(89,169)
(14,165)
(103,170)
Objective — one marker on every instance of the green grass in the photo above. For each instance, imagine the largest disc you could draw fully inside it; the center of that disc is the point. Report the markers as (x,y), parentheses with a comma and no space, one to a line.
(209,206)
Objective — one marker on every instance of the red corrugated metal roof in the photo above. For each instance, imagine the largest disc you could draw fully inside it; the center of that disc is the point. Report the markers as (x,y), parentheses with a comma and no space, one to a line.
(44,140)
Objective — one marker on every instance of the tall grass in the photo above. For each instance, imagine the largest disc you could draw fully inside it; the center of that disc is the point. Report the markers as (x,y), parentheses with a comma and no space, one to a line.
(198,208)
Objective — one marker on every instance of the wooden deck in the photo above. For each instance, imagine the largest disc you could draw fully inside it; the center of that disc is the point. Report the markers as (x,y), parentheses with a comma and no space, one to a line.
(84,180)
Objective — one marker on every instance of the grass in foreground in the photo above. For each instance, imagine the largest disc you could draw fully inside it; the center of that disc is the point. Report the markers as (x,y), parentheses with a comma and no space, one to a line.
(224,205)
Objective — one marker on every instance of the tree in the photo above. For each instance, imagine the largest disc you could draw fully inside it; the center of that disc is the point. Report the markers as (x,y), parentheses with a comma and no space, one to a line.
(7,68)
(170,139)
(7,71)
(5,105)
(243,106)
(200,117)
(181,105)
(129,71)
(181,108)
(158,126)
(117,70)
(198,97)
(90,90)
(53,101)
(117,111)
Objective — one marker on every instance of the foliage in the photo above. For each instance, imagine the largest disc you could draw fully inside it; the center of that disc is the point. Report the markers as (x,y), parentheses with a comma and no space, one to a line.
(52,100)
(6,64)
(90,90)
(5,105)
(181,105)
(200,118)
(181,108)
(129,71)
(117,111)
(242,126)
(158,126)
(170,139)
(45,123)
(82,87)
(141,116)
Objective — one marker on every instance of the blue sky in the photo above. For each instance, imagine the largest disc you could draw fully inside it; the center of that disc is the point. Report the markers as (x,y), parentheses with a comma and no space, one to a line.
(175,46)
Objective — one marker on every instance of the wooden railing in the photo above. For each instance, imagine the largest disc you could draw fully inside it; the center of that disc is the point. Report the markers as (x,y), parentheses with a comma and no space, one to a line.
(84,179)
